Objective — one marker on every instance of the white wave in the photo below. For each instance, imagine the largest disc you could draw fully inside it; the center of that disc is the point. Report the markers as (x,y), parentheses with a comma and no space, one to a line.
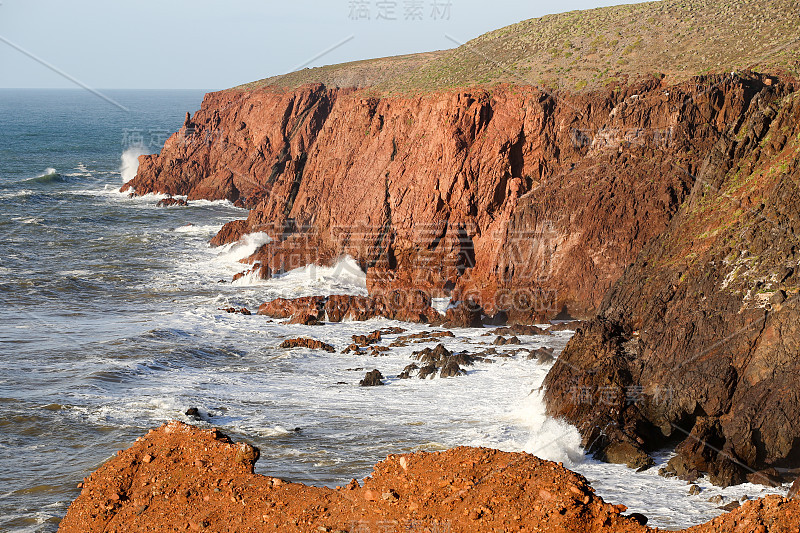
(48,172)
(223,203)
(205,229)
(130,161)
(29,220)
(344,277)
(15,194)
(440,304)
(244,247)
(548,438)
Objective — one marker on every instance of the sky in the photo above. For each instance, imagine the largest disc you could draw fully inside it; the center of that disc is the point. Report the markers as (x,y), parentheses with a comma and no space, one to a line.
(216,44)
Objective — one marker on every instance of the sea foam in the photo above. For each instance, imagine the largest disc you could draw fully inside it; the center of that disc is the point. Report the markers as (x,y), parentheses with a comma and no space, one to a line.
(130,161)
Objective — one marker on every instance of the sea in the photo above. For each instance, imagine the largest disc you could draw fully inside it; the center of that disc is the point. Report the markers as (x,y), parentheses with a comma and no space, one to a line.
(112,322)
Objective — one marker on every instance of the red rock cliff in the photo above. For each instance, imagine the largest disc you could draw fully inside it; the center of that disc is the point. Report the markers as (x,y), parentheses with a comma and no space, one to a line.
(529,201)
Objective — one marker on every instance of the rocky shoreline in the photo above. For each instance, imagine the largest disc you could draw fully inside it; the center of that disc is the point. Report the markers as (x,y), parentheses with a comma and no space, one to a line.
(182,478)
(661,212)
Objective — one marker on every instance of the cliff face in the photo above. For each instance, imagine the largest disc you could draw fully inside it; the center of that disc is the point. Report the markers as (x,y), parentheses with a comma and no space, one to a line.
(182,478)
(703,326)
(526,201)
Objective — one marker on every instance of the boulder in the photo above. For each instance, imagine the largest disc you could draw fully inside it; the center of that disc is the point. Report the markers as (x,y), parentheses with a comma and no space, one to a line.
(542,355)
(287,308)
(172,202)
(520,329)
(450,369)
(372,379)
(366,340)
(303,342)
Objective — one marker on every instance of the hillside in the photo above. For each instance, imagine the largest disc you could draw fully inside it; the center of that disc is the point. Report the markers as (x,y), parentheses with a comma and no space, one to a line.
(590,49)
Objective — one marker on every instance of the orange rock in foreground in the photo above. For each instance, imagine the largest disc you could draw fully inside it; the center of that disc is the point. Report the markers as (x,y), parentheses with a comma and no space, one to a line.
(180,478)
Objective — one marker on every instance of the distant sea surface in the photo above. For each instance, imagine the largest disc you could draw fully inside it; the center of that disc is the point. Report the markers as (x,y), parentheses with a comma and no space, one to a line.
(110,324)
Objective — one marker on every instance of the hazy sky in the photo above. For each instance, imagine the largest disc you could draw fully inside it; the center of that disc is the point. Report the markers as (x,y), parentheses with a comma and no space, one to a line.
(215,44)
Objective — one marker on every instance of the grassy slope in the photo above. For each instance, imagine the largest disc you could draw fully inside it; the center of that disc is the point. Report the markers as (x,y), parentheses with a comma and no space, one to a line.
(587,49)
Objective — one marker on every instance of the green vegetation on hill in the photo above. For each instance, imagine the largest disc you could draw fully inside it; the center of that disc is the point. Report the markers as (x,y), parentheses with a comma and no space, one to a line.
(589,49)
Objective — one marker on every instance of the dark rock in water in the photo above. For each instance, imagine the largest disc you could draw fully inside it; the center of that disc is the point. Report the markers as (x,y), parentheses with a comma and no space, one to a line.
(502,341)
(639,517)
(426,371)
(303,342)
(406,373)
(698,453)
(366,340)
(463,358)
(627,454)
(194,413)
(451,369)
(392,331)
(499,319)
(172,202)
(434,356)
(694,490)
(465,314)
(794,491)
(730,506)
(242,311)
(342,306)
(519,329)
(572,325)
(372,379)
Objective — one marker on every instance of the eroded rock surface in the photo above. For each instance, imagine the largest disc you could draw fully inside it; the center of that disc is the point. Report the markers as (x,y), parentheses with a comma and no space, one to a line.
(697,342)
(181,478)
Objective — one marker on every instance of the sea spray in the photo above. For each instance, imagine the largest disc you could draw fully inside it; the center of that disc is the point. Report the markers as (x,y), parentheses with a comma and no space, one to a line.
(130,161)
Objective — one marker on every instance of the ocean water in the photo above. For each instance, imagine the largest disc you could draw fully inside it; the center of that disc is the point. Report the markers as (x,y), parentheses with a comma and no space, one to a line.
(111,325)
